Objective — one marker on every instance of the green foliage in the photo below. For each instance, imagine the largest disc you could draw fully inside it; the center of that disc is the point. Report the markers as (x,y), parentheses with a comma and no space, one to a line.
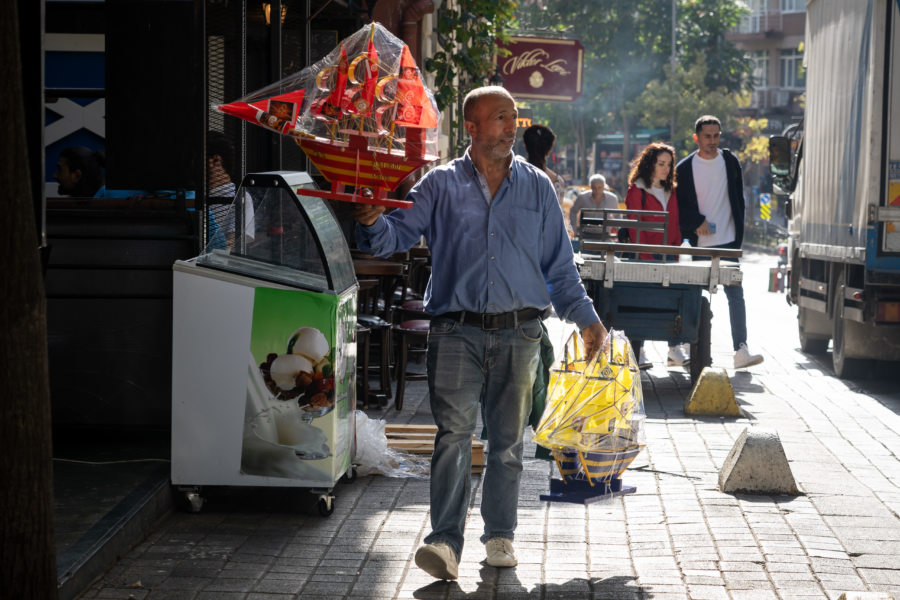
(467,31)
(702,25)
(754,144)
(680,98)
(628,47)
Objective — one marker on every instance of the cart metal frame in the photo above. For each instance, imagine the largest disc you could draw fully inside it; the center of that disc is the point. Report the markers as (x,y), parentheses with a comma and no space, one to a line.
(658,301)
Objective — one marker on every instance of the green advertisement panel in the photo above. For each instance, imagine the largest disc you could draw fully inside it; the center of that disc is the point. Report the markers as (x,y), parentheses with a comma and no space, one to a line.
(297,421)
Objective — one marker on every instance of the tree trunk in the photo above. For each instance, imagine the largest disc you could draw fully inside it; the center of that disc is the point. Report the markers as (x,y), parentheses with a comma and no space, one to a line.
(27,552)
(583,172)
(626,149)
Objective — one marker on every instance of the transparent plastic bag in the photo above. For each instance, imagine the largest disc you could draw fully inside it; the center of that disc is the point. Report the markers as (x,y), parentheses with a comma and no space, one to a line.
(367,95)
(593,420)
(373,457)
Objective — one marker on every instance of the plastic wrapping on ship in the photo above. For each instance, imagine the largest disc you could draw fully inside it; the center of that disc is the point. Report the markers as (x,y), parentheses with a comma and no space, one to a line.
(369,85)
(593,422)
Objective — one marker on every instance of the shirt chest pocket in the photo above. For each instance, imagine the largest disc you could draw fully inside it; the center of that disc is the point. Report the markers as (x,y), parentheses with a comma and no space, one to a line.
(525,225)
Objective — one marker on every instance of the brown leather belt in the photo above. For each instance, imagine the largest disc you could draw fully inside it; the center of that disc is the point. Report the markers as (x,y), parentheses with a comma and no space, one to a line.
(491,321)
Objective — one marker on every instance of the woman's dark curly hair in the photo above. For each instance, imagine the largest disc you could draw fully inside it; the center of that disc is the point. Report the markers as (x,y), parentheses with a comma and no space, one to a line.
(642,166)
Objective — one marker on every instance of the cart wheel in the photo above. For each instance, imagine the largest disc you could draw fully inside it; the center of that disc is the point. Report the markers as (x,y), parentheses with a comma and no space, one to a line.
(326,505)
(193,500)
(350,476)
(701,355)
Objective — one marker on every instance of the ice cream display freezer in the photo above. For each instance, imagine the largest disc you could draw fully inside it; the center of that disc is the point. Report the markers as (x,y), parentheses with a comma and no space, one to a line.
(264,347)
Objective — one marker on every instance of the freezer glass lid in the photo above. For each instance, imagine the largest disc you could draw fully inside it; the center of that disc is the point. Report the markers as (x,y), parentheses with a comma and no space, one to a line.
(272,232)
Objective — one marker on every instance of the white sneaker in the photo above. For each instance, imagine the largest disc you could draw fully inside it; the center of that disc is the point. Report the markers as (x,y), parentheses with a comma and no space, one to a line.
(743,358)
(677,357)
(500,553)
(438,560)
(643,362)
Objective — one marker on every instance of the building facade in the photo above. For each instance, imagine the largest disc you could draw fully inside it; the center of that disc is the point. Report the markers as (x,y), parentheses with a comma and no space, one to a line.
(772,35)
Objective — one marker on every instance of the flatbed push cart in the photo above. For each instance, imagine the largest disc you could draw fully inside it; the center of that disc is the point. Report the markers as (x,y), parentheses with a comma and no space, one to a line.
(653,300)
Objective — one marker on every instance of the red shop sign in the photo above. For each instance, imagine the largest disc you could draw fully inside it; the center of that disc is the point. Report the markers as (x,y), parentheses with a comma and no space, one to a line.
(542,68)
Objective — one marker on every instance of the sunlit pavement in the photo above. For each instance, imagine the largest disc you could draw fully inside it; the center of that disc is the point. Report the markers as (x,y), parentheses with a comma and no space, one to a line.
(676,537)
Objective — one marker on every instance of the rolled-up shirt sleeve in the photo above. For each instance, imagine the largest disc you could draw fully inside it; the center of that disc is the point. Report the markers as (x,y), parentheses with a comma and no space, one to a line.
(567,293)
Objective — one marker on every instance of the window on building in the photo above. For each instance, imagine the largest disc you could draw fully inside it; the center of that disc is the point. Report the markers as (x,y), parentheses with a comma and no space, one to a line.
(752,22)
(793,6)
(760,60)
(792,72)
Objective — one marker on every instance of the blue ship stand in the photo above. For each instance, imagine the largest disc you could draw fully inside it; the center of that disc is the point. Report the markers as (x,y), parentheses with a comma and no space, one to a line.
(580,491)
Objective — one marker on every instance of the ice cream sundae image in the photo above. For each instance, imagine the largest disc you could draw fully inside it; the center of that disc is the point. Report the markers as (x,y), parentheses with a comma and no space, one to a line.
(304,373)
(287,393)
(279,439)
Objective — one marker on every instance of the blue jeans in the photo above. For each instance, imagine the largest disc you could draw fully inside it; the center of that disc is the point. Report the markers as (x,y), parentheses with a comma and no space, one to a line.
(468,366)
(737,311)
(737,308)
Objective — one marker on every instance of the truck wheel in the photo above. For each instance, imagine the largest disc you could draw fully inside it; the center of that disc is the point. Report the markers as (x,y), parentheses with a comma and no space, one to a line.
(844,367)
(808,344)
(701,355)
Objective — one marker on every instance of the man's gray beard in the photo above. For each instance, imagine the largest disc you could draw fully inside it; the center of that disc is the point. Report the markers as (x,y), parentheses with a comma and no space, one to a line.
(500,151)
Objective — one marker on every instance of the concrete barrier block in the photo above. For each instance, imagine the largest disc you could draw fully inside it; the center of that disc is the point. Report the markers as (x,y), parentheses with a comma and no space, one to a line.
(757,464)
(712,396)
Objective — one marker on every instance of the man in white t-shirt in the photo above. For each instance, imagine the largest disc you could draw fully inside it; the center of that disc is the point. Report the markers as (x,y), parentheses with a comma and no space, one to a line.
(711,214)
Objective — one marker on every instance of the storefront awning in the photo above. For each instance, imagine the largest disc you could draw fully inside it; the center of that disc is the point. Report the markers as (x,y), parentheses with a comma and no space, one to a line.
(638,136)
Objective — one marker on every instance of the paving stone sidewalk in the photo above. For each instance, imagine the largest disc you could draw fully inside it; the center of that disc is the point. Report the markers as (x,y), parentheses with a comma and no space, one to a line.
(676,537)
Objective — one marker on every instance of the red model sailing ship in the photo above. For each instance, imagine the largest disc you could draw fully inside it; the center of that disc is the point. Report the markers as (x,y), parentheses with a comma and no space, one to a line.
(366,124)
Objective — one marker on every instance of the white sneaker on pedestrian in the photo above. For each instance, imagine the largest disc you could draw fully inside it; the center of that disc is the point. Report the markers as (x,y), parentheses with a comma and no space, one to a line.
(500,553)
(677,357)
(643,362)
(743,358)
(438,560)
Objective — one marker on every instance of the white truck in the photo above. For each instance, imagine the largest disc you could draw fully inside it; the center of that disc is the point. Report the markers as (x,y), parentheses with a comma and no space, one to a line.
(842,167)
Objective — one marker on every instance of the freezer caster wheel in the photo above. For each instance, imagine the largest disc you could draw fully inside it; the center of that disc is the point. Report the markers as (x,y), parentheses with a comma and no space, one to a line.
(193,501)
(350,476)
(326,505)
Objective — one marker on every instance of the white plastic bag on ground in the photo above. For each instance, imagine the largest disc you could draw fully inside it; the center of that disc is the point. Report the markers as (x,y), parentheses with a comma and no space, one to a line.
(373,457)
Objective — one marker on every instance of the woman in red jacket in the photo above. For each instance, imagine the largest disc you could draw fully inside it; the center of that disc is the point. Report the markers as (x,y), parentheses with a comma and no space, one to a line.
(652,187)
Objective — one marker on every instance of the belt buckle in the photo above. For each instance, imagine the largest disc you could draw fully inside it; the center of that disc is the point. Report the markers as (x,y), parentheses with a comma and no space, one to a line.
(485,317)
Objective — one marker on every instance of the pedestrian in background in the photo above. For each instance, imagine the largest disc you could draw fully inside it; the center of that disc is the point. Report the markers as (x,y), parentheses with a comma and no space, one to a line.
(221,190)
(598,196)
(539,140)
(711,207)
(652,187)
(79,172)
(500,256)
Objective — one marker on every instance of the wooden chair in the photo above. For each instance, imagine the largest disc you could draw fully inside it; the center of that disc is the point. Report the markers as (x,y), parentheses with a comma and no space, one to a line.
(373,312)
(411,338)
(411,322)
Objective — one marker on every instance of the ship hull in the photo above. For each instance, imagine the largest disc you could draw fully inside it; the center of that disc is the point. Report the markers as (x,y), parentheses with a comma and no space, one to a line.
(358,165)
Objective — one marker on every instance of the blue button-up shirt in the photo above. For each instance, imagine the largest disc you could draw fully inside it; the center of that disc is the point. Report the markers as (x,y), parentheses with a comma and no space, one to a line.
(488,255)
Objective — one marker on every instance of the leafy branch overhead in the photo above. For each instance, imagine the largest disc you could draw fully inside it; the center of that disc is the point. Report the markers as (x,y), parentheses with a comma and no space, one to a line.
(628,51)
(467,32)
